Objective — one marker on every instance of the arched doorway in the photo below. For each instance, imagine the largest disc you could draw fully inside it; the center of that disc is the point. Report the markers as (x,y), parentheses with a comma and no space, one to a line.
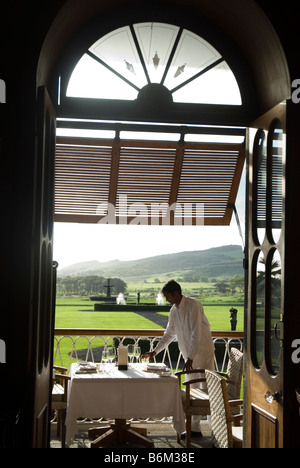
(219,23)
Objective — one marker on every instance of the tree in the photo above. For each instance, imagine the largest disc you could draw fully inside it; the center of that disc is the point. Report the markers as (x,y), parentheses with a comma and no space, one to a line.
(275,280)
(222,287)
(119,285)
(236,282)
(88,285)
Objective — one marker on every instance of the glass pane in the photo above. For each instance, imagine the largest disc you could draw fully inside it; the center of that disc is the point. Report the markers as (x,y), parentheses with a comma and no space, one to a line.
(156,41)
(117,49)
(193,55)
(260,164)
(90,79)
(277,180)
(217,86)
(260,309)
(275,318)
(120,64)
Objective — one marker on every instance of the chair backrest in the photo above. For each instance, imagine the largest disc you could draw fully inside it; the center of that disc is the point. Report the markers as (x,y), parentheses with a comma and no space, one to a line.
(219,410)
(235,373)
(60,384)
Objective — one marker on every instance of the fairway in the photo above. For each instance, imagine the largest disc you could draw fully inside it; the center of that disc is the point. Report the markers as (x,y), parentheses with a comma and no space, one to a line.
(79,313)
(69,317)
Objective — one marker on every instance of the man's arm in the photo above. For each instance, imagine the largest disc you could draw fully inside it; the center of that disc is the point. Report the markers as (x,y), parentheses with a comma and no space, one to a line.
(166,339)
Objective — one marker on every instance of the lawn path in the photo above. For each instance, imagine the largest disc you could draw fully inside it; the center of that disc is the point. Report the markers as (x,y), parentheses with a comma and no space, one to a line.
(161,320)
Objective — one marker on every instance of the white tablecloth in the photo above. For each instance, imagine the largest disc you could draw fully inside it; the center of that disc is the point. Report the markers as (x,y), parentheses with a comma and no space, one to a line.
(115,394)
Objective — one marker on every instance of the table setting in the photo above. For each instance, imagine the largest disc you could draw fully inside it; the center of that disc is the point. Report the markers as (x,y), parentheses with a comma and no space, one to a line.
(122,390)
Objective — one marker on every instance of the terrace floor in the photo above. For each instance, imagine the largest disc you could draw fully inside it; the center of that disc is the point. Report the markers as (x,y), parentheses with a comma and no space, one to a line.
(162,434)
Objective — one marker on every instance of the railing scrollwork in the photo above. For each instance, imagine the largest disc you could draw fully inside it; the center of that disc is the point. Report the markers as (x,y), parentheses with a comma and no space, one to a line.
(84,344)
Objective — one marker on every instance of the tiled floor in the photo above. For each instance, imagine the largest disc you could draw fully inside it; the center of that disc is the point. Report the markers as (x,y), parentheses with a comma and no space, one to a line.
(162,434)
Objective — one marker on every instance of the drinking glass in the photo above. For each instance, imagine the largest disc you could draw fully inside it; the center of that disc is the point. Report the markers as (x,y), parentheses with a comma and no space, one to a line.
(105,357)
(137,353)
(131,352)
(145,362)
(111,354)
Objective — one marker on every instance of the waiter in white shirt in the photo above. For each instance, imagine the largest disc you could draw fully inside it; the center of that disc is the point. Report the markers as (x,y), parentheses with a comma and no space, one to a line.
(189,324)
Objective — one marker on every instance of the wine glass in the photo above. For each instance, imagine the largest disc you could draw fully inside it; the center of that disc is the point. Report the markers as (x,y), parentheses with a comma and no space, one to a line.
(105,356)
(111,354)
(131,352)
(137,353)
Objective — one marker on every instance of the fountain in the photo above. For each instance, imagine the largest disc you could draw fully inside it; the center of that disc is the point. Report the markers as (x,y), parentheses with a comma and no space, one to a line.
(121,299)
(108,297)
(160,300)
(110,303)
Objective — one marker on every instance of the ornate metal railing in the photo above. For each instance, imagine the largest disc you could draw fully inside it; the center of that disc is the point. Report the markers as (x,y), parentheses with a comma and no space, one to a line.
(86,345)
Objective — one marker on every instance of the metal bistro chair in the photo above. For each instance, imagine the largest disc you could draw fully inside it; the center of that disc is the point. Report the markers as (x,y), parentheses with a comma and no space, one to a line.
(59,400)
(226,429)
(196,401)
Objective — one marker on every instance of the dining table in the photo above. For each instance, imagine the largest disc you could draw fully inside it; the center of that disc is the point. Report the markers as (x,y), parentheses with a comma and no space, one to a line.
(105,391)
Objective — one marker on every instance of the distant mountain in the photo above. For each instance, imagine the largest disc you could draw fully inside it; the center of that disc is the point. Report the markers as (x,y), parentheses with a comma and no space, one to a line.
(219,262)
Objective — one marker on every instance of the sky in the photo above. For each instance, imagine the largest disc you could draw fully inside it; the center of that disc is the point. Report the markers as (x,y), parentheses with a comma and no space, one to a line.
(75,243)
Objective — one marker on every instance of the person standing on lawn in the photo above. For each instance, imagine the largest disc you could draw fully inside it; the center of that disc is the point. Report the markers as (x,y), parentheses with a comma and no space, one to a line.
(189,324)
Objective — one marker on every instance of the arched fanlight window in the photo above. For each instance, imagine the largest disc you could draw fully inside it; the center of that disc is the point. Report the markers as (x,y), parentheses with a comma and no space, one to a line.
(126,62)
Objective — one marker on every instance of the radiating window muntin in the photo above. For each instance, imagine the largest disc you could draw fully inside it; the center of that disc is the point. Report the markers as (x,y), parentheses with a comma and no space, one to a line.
(123,62)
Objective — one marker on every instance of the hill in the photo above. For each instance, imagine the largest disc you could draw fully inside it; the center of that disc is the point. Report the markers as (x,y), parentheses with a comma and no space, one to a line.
(218,262)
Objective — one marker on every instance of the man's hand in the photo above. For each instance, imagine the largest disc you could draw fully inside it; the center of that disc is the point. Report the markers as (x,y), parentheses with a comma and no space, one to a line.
(148,355)
(188,366)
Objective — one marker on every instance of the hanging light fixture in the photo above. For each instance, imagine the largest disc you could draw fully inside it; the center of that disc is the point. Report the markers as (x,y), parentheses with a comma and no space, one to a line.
(180,70)
(130,67)
(156,61)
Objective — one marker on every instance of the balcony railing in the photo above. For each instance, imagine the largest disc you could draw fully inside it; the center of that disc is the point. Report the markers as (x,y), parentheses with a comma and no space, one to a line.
(71,345)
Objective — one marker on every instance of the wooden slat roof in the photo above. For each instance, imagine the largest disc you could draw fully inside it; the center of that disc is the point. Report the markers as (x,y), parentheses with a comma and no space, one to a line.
(141,178)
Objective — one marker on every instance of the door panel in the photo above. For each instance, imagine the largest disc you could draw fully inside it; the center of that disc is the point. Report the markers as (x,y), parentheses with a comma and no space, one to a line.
(265,429)
(266,244)
(43,287)
(42,424)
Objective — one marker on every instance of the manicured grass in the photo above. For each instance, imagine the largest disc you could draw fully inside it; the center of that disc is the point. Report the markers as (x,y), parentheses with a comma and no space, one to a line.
(219,317)
(71,317)
(79,313)
(74,301)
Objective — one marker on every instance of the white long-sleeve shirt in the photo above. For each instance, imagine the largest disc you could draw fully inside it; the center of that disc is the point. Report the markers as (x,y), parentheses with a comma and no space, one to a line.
(189,324)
